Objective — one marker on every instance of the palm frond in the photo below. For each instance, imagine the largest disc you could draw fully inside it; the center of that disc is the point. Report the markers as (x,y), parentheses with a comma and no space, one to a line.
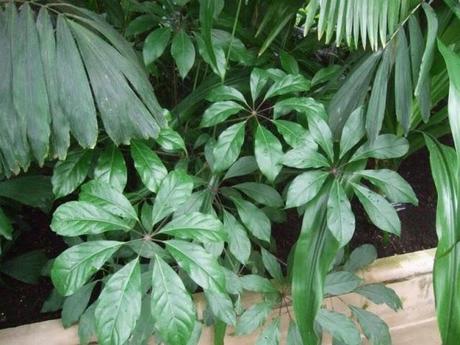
(62,68)
(357,21)
(405,65)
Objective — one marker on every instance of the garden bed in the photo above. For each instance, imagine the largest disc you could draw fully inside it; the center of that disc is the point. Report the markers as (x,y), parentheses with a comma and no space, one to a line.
(21,303)
(410,275)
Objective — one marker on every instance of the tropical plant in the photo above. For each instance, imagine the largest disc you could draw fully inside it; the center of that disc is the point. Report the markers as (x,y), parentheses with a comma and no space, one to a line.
(445,169)
(263,117)
(42,104)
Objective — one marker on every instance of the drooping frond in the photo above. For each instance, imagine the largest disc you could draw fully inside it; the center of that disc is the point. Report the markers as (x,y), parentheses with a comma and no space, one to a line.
(399,72)
(62,68)
(357,21)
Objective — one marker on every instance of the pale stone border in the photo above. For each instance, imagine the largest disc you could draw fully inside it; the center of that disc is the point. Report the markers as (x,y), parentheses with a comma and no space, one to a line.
(409,274)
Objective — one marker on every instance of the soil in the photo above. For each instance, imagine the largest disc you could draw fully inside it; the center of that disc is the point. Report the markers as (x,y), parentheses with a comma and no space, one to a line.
(21,303)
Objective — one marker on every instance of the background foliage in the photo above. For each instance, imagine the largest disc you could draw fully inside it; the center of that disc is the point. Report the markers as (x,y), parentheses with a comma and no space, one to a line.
(265,114)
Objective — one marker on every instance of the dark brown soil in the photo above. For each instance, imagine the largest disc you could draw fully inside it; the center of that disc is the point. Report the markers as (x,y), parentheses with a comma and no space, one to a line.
(21,303)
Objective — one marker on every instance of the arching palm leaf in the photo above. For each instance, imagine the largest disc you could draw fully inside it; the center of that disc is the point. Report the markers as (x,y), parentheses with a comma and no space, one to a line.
(357,21)
(60,69)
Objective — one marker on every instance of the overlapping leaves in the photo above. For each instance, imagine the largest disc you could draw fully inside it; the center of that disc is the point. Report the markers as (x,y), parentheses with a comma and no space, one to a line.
(103,210)
(42,104)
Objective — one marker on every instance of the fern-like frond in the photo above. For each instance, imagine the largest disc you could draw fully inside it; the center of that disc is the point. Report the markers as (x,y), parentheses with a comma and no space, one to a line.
(405,65)
(62,68)
(357,21)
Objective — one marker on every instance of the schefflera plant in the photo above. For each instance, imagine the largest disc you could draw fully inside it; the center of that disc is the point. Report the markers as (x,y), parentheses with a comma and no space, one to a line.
(331,174)
(139,252)
(274,93)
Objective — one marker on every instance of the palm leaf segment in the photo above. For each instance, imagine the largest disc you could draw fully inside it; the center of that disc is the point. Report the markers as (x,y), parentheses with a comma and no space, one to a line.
(355,21)
(61,66)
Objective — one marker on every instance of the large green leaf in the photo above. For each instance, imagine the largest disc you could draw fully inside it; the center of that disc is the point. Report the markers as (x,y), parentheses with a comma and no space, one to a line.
(339,326)
(228,146)
(403,82)
(271,264)
(86,326)
(339,283)
(385,146)
(243,166)
(378,98)
(69,174)
(261,193)
(255,219)
(351,94)
(60,138)
(292,132)
(108,198)
(148,165)
(305,187)
(221,306)
(208,10)
(72,269)
(133,70)
(416,46)
(225,93)
(303,157)
(379,210)
(119,305)
(359,21)
(253,318)
(257,82)
(77,218)
(256,283)
(302,105)
(195,226)
(111,168)
(288,84)
(75,92)
(174,190)
(75,305)
(123,113)
(238,241)
(201,266)
(395,188)
(375,329)
(268,152)
(155,44)
(453,66)
(444,167)
(379,293)
(423,85)
(29,87)
(170,140)
(172,308)
(353,131)
(13,142)
(321,133)
(219,112)
(140,25)
(41,103)
(314,253)
(340,217)
(361,257)
(183,52)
